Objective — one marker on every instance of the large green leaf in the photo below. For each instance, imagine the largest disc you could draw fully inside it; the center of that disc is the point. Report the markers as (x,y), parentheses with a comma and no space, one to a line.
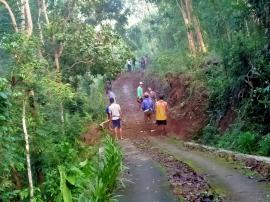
(66,193)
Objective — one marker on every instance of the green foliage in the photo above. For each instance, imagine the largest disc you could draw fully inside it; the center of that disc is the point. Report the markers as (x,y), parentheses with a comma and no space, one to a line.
(235,71)
(171,61)
(209,135)
(66,193)
(264,146)
(60,102)
(93,179)
(245,142)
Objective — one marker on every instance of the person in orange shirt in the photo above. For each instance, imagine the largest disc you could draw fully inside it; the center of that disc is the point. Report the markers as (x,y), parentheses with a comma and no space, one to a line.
(161,114)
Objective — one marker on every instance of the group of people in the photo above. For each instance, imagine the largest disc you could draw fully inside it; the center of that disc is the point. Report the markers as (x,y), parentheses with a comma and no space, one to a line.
(150,104)
(143,62)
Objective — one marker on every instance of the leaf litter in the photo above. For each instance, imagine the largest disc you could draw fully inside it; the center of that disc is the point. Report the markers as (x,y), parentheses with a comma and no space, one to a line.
(186,183)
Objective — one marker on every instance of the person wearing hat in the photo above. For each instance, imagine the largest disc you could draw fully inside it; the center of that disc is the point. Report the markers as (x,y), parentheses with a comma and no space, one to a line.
(147,107)
(140,93)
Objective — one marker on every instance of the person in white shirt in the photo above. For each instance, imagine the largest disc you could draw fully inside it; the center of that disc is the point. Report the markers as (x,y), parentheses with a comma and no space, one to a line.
(115,115)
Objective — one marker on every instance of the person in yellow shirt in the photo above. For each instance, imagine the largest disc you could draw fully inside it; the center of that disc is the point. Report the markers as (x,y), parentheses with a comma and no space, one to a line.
(161,114)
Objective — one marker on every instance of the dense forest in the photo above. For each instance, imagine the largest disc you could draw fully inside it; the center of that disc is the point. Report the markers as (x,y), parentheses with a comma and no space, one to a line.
(55,57)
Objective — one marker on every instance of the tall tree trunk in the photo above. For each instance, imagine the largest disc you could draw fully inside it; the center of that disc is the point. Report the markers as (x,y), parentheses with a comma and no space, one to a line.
(183,8)
(28,17)
(200,40)
(57,55)
(22,7)
(13,19)
(27,149)
(44,10)
(62,113)
(39,26)
(56,61)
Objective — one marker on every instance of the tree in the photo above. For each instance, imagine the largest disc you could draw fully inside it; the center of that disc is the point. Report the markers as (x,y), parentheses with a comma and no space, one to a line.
(14,23)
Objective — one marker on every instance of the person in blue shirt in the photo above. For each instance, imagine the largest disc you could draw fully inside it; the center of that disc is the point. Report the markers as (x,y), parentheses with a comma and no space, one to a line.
(147,107)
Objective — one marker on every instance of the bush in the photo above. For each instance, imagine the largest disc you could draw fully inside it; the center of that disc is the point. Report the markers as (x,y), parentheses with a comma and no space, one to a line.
(245,142)
(210,135)
(93,179)
(264,146)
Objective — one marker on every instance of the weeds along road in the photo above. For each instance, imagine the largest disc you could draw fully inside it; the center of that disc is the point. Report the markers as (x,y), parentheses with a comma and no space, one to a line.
(149,179)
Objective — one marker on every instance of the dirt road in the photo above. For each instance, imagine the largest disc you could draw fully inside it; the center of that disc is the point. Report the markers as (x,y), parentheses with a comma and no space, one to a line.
(134,126)
(146,181)
(142,169)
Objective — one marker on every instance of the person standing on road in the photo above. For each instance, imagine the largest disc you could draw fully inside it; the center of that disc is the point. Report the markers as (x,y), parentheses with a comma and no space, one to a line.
(161,114)
(140,93)
(142,63)
(111,94)
(152,94)
(129,65)
(134,63)
(115,115)
(147,107)
(108,87)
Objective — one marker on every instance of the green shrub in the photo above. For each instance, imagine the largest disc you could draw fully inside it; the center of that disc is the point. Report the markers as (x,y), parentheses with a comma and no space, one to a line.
(95,178)
(264,146)
(247,142)
(210,135)
(227,141)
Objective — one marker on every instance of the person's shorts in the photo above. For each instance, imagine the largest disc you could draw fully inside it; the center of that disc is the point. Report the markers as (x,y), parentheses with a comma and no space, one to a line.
(148,112)
(116,123)
(161,122)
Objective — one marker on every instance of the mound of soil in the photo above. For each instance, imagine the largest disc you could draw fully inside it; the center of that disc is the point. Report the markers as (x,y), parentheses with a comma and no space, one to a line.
(188,102)
(93,134)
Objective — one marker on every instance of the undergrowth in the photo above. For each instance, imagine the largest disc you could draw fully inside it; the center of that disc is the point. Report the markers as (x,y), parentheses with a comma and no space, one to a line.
(237,140)
(95,178)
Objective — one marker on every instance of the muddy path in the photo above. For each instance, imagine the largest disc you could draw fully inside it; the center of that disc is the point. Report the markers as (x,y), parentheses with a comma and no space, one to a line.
(233,183)
(145,179)
(133,121)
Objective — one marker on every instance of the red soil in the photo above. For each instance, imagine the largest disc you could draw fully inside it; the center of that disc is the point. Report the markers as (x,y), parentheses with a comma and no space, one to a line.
(187,112)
